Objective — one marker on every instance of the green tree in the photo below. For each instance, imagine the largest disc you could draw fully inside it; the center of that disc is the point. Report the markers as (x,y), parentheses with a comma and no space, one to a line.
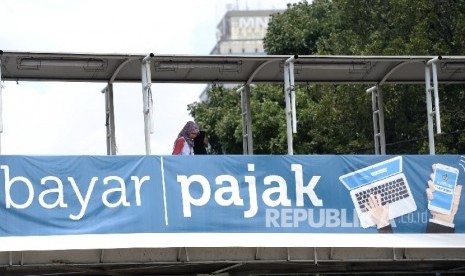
(299,28)
(338,118)
(220,117)
(377,27)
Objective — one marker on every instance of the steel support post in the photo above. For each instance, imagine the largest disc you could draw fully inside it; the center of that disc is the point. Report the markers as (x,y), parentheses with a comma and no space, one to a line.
(431,66)
(247,140)
(110,119)
(429,111)
(289,96)
(1,103)
(436,97)
(378,119)
(147,100)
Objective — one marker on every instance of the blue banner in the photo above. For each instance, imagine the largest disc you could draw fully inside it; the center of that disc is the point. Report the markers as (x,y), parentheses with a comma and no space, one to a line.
(73,195)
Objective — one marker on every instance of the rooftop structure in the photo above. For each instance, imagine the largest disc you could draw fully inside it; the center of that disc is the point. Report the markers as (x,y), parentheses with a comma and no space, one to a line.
(242,32)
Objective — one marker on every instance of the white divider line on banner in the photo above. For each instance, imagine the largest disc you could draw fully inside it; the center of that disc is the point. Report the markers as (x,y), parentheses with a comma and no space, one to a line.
(162,168)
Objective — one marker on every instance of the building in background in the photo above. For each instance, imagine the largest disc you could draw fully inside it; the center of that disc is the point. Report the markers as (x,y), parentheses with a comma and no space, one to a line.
(241,32)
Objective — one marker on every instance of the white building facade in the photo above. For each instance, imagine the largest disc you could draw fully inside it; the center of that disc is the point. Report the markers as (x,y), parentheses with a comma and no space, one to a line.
(242,32)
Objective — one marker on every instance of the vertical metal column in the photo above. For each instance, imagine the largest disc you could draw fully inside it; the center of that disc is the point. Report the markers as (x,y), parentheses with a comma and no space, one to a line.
(289,95)
(110,119)
(378,119)
(431,66)
(110,111)
(247,141)
(146,99)
(1,103)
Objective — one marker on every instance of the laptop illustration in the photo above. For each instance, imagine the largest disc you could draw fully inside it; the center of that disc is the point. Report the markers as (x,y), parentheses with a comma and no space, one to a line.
(384,178)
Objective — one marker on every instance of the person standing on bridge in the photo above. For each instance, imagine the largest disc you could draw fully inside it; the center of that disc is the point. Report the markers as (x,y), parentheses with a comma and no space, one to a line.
(201,144)
(184,143)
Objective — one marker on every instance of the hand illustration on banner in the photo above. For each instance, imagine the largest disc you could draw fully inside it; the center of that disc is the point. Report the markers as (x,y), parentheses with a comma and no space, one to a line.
(441,222)
(447,218)
(378,211)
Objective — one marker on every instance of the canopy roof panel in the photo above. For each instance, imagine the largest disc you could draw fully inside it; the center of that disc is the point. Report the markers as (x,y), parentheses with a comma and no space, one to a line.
(35,66)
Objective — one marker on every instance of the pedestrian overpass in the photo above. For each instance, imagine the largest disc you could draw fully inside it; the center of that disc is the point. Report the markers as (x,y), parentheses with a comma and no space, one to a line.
(56,246)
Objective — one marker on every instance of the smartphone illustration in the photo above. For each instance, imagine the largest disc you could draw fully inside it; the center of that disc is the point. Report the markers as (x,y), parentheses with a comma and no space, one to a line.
(444,180)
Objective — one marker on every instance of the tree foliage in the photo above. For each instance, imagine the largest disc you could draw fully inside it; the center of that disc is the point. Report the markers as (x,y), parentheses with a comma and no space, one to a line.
(220,117)
(338,118)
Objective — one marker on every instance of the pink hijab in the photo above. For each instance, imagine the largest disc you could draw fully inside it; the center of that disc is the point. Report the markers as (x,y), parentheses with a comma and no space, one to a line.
(189,127)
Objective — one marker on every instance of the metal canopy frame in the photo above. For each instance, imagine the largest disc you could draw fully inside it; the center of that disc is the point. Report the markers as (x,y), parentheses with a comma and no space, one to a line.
(374,71)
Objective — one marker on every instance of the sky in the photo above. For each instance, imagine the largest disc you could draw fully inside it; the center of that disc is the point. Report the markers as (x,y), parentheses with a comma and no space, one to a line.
(50,118)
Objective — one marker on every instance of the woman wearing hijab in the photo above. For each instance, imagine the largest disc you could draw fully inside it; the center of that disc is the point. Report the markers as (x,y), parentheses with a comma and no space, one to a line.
(184,144)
